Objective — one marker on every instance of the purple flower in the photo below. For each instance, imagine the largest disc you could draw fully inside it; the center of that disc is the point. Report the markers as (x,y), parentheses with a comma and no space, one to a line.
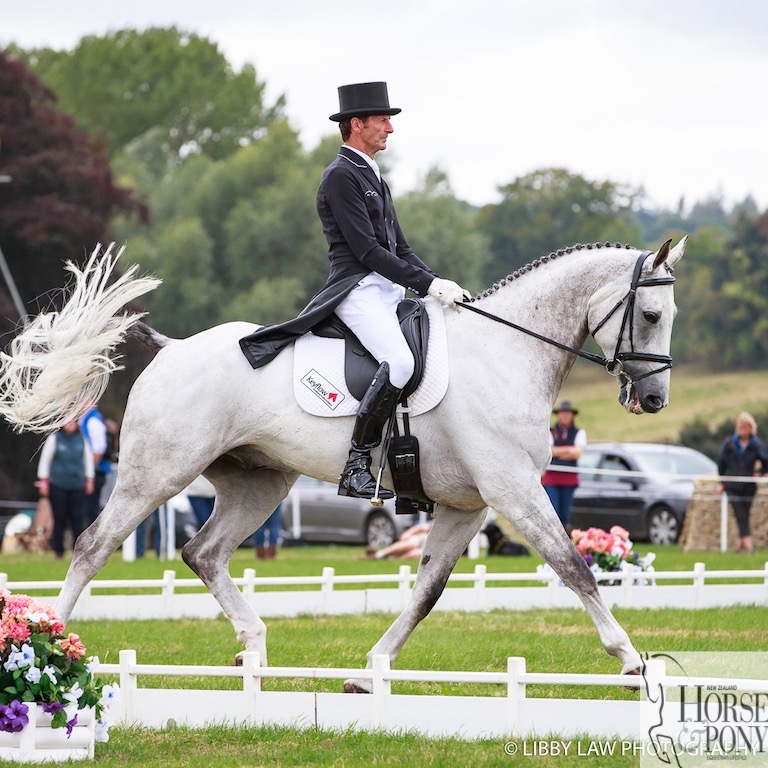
(52,707)
(13,716)
(70,725)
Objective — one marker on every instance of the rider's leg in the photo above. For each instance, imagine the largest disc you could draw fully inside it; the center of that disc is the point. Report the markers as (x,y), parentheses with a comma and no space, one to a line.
(370,311)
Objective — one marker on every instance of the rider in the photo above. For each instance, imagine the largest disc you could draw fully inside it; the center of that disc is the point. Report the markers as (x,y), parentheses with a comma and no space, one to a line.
(371,265)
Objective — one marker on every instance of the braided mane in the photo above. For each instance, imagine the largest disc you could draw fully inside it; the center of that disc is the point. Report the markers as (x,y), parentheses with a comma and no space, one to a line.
(543,260)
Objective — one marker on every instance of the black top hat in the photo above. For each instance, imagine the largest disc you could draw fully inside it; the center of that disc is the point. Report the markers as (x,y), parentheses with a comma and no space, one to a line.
(565,405)
(363,99)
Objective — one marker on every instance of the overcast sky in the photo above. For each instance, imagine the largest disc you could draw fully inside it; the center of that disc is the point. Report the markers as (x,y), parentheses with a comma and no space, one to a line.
(667,94)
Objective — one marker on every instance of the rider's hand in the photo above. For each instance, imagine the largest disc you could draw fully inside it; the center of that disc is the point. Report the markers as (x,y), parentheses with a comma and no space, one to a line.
(447,291)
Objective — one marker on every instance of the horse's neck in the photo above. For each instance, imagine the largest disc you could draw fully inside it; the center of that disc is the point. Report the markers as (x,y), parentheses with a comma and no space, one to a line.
(551,300)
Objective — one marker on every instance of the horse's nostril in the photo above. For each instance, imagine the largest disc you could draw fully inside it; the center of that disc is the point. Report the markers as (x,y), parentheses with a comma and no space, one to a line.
(653,403)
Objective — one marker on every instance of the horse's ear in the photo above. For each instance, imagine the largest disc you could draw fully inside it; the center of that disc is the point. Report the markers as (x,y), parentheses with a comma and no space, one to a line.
(661,255)
(677,252)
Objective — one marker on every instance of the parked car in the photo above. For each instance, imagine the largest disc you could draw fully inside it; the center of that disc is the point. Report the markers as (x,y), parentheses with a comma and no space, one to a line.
(328,517)
(651,507)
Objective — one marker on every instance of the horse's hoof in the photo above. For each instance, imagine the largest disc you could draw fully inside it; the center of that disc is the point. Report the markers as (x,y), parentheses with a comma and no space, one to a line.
(238,660)
(352,686)
(635,671)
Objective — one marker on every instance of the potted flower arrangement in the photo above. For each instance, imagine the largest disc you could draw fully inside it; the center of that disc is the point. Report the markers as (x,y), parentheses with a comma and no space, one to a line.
(608,551)
(46,679)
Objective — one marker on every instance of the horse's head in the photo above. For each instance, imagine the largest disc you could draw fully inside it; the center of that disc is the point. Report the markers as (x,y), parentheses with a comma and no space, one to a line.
(632,323)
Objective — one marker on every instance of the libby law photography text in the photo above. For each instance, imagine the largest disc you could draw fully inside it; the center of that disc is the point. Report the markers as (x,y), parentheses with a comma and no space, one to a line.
(710,705)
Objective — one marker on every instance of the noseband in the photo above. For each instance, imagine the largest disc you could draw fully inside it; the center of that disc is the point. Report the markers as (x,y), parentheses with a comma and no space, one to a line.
(614,366)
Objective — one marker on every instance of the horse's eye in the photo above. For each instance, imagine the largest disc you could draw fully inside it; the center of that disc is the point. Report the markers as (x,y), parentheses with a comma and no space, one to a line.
(651,317)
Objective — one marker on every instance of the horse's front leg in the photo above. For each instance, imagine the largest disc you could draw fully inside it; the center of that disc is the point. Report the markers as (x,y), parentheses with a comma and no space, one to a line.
(531,512)
(451,532)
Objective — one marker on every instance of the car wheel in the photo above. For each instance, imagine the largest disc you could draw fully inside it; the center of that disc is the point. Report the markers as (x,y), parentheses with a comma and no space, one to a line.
(379,531)
(663,526)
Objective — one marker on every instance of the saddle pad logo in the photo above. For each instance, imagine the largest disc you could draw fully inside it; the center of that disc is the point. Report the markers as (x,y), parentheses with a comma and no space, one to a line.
(323,388)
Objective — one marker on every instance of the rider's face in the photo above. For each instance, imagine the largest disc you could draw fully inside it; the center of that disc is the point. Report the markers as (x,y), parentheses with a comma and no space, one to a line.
(373,133)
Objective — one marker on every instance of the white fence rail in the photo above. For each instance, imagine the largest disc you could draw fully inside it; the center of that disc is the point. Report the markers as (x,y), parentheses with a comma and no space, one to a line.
(513,715)
(170,597)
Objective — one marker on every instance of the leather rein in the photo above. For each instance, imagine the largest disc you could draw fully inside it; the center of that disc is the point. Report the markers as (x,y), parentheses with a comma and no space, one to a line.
(614,366)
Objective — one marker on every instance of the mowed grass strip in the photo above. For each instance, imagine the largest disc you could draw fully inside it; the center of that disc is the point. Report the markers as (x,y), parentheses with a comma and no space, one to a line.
(271,746)
(550,640)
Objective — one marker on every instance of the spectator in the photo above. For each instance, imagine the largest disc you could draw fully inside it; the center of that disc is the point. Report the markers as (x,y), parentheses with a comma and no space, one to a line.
(408,547)
(270,529)
(65,475)
(202,497)
(567,442)
(742,454)
(95,430)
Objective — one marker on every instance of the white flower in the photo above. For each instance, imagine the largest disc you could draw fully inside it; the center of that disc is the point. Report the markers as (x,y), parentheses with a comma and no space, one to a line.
(51,672)
(93,665)
(18,659)
(74,694)
(110,695)
(37,617)
(33,675)
(101,734)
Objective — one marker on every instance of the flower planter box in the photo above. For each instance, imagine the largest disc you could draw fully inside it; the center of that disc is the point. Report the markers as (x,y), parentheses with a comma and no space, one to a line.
(38,742)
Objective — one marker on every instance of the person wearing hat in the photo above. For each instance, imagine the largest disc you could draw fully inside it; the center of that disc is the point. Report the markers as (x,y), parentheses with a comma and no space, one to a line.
(567,442)
(371,265)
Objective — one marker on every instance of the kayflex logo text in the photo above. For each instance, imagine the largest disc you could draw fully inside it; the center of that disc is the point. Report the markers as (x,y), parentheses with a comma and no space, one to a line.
(323,388)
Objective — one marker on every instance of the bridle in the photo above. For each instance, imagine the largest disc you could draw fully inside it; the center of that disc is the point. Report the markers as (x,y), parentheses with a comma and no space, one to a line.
(614,366)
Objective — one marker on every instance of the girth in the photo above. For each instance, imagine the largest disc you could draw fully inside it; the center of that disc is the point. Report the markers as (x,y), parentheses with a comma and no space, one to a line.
(360,365)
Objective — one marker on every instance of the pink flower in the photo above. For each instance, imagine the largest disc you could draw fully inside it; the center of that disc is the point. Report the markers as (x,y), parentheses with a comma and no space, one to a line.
(72,646)
(622,533)
(19,632)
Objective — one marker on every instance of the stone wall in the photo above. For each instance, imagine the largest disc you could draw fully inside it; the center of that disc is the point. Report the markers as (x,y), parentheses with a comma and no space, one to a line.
(701,529)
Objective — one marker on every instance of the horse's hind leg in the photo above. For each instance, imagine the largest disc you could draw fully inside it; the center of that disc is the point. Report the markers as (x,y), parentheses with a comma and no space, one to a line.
(534,518)
(451,532)
(244,500)
(123,512)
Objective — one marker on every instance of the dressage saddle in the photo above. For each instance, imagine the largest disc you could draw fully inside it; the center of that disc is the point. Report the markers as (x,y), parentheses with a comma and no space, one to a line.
(360,365)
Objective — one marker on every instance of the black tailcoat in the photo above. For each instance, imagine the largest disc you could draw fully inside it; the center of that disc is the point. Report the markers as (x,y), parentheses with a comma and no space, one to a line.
(363,234)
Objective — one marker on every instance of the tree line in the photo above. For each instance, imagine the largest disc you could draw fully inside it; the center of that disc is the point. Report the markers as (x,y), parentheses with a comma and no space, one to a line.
(153,139)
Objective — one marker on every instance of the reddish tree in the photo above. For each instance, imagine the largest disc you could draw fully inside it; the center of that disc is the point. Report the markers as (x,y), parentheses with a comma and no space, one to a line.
(55,207)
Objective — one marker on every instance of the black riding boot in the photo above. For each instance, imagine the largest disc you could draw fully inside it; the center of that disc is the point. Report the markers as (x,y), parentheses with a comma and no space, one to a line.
(377,405)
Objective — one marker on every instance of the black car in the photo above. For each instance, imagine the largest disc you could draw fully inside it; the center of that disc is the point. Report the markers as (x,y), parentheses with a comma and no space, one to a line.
(652,506)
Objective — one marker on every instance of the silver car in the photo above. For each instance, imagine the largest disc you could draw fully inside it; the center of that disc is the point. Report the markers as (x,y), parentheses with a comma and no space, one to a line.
(652,506)
(327,517)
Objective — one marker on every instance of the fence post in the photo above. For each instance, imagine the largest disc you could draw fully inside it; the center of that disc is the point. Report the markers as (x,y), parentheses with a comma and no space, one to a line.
(169,578)
(3,580)
(249,581)
(515,694)
(765,582)
(128,684)
(129,548)
(723,521)
(252,685)
(480,594)
(404,584)
(698,582)
(327,588)
(382,689)
(627,582)
(652,698)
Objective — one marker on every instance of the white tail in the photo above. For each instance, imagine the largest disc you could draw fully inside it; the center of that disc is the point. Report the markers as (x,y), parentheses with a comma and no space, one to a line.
(60,363)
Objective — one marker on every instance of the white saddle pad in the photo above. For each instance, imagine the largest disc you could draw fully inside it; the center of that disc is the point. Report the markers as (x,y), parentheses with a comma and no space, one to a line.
(318,372)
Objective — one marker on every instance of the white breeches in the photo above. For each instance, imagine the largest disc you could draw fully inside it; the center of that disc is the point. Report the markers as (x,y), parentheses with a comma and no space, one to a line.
(370,311)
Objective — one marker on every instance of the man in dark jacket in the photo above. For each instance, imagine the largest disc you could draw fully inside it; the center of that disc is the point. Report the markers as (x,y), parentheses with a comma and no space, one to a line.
(371,265)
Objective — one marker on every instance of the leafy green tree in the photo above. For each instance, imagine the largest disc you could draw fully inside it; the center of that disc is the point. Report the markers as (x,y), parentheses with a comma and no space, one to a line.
(549,209)
(127,83)
(443,231)
(56,207)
